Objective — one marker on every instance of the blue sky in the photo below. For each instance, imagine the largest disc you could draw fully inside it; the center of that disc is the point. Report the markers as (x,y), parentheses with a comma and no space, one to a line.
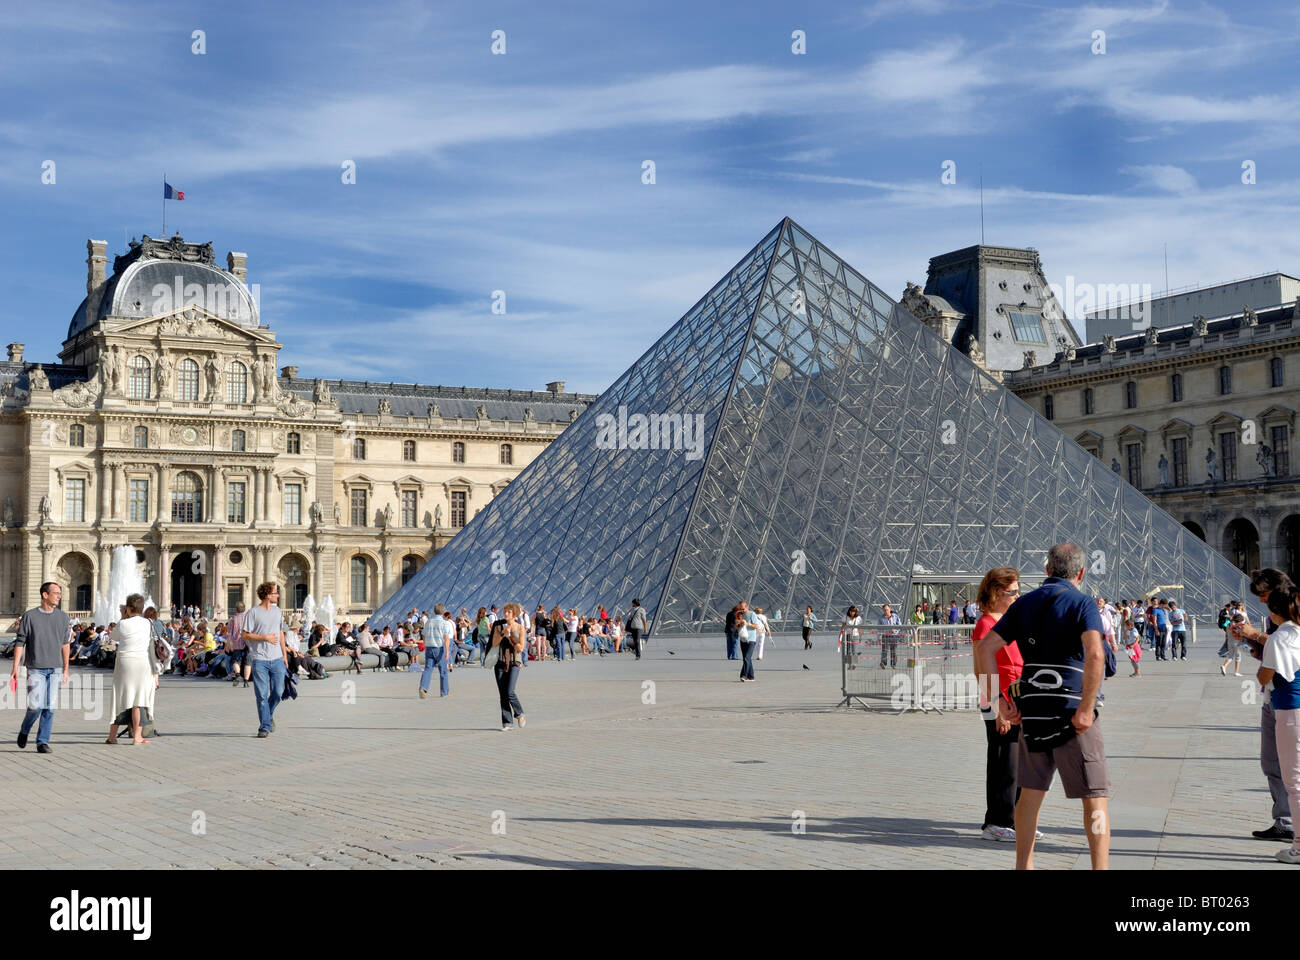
(522,172)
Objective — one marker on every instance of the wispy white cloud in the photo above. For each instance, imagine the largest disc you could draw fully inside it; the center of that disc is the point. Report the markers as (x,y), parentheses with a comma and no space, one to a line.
(1162,176)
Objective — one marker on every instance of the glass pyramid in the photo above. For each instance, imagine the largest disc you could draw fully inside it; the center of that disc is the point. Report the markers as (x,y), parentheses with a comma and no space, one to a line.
(843,448)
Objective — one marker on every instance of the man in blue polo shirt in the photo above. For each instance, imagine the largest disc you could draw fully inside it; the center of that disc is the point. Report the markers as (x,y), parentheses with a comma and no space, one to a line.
(1161,617)
(1059,633)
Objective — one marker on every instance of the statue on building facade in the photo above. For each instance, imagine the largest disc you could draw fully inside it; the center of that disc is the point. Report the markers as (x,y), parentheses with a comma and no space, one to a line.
(45,509)
(314,512)
(437,516)
(321,393)
(1031,359)
(1265,460)
(266,371)
(1108,343)
(1211,465)
(1114,465)
(338,513)
(481,412)
(163,374)
(1200,326)
(1249,318)
(434,411)
(1163,467)
(1152,335)
(385,406)
(213,374)
(37,380)
(388,515)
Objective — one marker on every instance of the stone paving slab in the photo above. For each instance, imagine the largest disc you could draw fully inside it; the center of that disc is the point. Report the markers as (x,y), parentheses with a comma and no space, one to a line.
(361,773)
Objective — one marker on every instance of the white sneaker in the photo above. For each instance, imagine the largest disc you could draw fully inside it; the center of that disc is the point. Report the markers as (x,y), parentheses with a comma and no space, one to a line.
(1288,855)
(1003,834)
(1223,670)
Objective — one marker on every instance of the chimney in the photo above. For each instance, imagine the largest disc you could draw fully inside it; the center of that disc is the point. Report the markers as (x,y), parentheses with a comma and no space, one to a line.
(556,387)
(96,263)
(237,263)
(15,353)
(290,373)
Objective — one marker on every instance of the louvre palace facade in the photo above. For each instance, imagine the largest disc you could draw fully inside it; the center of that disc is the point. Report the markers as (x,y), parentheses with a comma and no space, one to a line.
(167,424)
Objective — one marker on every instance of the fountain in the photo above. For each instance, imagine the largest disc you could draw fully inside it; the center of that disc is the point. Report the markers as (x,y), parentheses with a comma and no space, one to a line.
(326,613)
(123,580)
(308,611)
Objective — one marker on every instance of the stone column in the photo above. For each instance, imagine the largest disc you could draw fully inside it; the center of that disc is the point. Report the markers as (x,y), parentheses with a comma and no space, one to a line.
(218,595)
(317,559)
(263,492)
(119,475)
(382,593)
(163,593)
(101,569)
(105,490)
(46,550)
(164,514)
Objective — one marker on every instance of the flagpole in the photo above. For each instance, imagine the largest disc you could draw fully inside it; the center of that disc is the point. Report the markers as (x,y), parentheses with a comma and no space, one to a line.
(164,228)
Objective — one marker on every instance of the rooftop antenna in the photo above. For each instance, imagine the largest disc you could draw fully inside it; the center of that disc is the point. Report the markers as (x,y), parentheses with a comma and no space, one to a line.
(981,203)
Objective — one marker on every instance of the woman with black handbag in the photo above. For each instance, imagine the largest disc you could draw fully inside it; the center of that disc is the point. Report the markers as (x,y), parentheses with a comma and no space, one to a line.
(509,642)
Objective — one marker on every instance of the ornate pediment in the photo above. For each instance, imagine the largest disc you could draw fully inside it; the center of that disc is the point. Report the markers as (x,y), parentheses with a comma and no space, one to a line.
(192,323)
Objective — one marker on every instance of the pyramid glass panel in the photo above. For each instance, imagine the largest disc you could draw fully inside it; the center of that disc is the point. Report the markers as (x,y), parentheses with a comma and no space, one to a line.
(799,438)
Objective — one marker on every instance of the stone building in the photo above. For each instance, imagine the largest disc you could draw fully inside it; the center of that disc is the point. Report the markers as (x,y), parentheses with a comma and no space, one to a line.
(1199,416)
(165,426)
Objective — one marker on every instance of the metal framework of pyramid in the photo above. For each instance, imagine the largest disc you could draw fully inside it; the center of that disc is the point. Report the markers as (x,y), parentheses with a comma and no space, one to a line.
(846,448)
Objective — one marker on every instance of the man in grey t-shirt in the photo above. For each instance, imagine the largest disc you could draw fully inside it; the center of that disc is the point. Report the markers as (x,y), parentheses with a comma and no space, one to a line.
(264,632)
(44,635)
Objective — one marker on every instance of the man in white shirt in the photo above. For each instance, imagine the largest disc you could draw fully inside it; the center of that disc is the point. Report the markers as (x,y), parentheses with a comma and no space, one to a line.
(527,622)
(439,635)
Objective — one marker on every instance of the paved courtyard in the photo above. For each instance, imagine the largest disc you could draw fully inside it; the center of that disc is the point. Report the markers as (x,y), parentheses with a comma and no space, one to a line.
(709,775)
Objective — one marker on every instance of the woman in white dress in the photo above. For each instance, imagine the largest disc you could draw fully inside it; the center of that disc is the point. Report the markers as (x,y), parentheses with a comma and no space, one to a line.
(764,630)
(135,672)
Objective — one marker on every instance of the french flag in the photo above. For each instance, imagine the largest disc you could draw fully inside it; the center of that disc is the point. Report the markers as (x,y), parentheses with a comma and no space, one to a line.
(170,194)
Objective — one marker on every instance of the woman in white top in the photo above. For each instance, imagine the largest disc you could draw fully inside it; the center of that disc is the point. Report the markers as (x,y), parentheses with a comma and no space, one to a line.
(764,631)
(849,628)
(135,671)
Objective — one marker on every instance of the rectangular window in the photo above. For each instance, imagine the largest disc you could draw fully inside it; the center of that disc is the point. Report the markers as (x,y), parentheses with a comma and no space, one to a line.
(1176,388)
(1281,437)
(292,504)
(235,502)
(1133,454)
(409,508)
(139,501)
(359,572)
(74,500)
(458,508)
(1228,455)
(1225,381)
(359,508)
(1275,378)
(1087,401)
(1179,445)
(1027,327)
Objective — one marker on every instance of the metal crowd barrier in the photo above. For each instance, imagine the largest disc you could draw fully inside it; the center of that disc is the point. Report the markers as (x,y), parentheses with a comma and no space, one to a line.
(909,667)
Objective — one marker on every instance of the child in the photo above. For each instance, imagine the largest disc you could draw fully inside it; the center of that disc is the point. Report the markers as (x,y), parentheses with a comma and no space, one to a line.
(1133,645)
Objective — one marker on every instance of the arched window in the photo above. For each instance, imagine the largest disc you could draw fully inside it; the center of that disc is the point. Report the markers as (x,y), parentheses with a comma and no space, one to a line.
(507,454)
(458,452)
(1131,395)
(295,443)
(358,449)
(187,498)
(187,380)
(408,450)
(138,385)
(410,566)
(238,441)
(360,576)
(142,438)
(76,438)
(236,383)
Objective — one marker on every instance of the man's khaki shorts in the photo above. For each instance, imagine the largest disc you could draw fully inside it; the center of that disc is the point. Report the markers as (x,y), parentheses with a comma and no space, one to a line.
(1081,762)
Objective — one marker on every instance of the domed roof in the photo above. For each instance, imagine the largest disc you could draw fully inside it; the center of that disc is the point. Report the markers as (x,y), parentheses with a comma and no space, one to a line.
(157,277)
